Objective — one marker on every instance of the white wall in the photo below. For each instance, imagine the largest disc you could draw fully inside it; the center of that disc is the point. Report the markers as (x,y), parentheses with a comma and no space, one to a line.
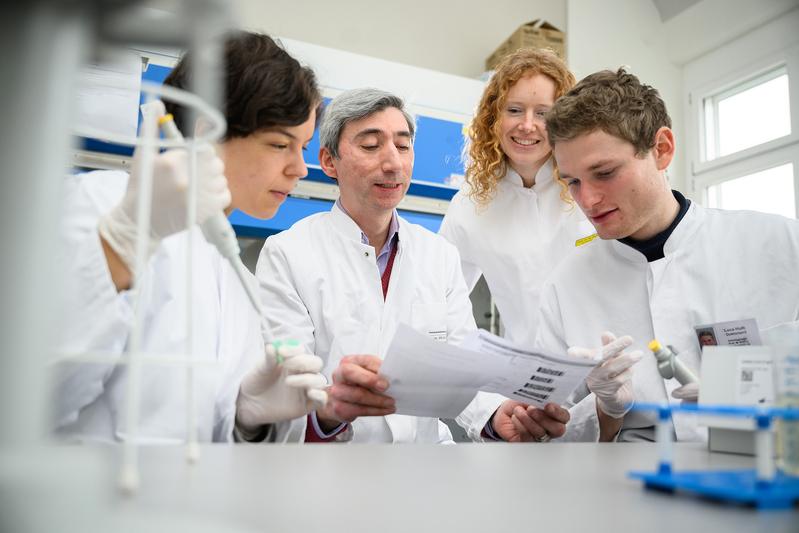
(611,33)
(452,36)
(711,24)
(426,91)
(773,38)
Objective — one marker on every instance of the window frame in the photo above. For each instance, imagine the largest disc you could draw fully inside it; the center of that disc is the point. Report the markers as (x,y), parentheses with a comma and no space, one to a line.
(776,152)
(710,132)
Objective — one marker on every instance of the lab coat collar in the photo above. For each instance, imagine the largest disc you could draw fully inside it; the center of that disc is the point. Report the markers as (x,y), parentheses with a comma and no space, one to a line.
(687,227)
(543,178)
(625,252)
(347,226)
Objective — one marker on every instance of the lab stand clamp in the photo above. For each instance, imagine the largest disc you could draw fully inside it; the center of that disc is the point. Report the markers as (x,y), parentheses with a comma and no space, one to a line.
(764,487)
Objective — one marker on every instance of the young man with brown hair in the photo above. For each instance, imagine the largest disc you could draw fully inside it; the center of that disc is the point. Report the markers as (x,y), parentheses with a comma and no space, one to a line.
(662,264)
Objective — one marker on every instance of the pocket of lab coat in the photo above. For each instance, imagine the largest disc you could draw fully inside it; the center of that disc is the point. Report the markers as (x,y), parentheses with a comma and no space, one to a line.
(431,319)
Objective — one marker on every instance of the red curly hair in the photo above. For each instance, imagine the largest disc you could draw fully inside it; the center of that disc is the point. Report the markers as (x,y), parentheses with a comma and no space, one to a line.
(487,163)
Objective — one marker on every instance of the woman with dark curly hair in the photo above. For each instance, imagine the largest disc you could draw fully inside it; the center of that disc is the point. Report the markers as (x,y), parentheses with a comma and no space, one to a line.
(514,220)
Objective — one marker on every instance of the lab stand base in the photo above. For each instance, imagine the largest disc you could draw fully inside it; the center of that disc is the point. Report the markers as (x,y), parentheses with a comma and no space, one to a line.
(733,486)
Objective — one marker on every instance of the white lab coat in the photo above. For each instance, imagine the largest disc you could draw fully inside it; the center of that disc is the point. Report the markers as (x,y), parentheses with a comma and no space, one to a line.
(321,285)
(90,397)
(718,266)
(515,242)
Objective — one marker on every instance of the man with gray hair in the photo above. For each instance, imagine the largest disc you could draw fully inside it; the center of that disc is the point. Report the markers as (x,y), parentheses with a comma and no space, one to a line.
(340,282)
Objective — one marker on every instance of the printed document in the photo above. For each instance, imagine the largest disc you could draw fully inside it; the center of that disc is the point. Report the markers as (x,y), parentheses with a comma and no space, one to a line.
(435,379)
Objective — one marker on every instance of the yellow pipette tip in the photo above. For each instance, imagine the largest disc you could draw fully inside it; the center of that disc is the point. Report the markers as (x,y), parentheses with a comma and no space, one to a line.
(654,345)
(166,118)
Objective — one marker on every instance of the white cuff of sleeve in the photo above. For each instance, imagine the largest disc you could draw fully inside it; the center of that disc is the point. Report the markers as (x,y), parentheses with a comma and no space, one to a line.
(321,433)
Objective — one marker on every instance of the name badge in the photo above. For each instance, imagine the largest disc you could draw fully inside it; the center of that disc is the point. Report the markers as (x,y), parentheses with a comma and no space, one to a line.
(733,333)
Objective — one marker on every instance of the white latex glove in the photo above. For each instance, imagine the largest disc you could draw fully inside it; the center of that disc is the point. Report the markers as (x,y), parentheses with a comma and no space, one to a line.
(611,380)
(687,393)
(285,384)
(169,205)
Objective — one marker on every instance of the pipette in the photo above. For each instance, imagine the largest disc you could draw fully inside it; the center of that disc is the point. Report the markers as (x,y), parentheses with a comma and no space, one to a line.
(671,367)
(217,229)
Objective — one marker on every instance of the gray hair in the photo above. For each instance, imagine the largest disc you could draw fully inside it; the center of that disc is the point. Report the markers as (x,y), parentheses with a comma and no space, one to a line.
(354,105)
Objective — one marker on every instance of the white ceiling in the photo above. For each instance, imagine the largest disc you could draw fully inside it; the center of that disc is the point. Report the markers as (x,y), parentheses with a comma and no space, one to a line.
(695,27)
(670,8)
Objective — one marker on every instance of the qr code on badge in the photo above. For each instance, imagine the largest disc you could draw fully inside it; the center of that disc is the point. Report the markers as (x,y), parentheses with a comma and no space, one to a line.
(747,375)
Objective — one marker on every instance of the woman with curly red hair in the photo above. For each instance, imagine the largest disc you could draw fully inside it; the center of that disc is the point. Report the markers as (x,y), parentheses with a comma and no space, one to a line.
(513,220)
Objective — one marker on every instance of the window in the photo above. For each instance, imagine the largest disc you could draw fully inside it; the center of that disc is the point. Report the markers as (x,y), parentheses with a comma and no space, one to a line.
(769,191)
(743,118)
(749,114)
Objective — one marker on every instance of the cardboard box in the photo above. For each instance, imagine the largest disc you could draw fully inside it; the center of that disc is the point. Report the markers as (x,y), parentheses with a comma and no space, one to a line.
(535,34)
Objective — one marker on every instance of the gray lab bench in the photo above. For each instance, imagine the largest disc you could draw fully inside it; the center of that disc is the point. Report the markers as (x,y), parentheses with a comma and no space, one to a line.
(413,488)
